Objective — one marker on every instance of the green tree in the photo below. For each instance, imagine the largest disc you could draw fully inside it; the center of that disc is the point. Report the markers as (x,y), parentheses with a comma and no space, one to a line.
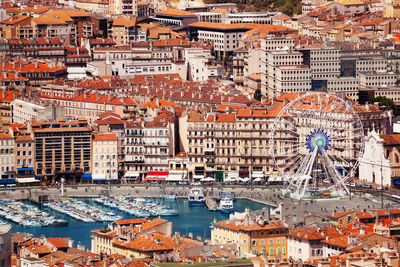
(257,95)
(386,102)
(288,9)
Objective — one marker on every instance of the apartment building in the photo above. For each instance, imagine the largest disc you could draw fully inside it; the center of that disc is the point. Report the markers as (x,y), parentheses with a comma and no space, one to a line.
(234,144)
(89,105)
(7,161)
(224,37)
(149,145)
(290,79)
(120,239)
(229,146)
(6,98)
(158,144)
(24,148)
(285,58)
(23,111)
(375,79)
(62,148)
(125,7)
(267,45)
(252,236)
(18,26)
(175,17)
(96,6)
(133,164)
(123,30)
(105,158)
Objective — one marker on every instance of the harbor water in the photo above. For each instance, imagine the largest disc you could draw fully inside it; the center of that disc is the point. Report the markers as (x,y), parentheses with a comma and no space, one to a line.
(192,219)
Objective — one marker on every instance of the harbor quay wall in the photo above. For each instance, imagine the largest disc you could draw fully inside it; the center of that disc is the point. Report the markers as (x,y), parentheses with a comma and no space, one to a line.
(44,194)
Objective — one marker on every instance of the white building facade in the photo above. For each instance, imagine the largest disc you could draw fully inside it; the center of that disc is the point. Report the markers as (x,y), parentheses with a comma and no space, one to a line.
(105,158)
(6,156)
(374,167)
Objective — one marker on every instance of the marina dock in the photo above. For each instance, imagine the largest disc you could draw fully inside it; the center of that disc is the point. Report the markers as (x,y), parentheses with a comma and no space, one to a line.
(211,204)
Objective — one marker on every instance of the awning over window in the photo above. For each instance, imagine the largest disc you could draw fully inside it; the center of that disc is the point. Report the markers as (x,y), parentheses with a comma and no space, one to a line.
(7,181)
(25,169)
(257,174)
(98,176)
(172,177)
(156,176)
(198,177)
(27,180)
(131,174)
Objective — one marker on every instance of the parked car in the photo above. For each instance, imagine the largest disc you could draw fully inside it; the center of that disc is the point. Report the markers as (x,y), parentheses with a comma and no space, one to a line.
(368,186)
(196,183)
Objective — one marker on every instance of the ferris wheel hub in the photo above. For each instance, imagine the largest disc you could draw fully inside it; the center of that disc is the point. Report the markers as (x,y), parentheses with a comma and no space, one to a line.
(318,139)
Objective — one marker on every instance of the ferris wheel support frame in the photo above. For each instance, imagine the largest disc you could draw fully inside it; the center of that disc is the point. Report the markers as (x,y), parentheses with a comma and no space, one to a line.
(340,138)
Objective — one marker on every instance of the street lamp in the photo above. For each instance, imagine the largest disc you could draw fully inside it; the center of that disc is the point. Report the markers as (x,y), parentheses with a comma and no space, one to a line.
(383,154)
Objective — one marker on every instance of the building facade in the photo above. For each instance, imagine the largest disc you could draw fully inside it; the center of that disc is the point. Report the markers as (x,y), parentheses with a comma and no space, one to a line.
(105,158)
(62,148)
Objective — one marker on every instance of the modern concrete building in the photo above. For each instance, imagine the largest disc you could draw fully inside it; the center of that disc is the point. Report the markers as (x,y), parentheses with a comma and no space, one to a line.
(62,148)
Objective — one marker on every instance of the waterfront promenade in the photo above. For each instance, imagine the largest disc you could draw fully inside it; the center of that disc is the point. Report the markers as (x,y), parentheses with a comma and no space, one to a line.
(270,196)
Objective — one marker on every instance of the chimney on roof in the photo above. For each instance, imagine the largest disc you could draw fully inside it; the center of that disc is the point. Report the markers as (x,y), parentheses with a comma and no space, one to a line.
(14,64)
(16,74)
(362,231)
(36,64)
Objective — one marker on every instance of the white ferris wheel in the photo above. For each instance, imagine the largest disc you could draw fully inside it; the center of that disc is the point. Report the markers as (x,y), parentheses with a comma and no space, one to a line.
(317,140)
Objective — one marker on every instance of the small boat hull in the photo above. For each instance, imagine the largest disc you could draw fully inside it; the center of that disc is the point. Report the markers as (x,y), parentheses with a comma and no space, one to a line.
(227,211)
(197,202)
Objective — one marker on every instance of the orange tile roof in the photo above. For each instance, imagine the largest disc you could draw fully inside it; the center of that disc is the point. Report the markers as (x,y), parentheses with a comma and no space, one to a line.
(171,43)
(5,136)
(83,253)
(306,233)
(37,10)
(391,139)
(15,19)
(241,26)
(341,241)
(175,12)
(131,221)
(124,21)
(219,10)
(340,214)
(58,242)
(153,223)
(226,118)
(240,225)
(110,137)
(364,215)
(108,234)
(39,249)
(153,242)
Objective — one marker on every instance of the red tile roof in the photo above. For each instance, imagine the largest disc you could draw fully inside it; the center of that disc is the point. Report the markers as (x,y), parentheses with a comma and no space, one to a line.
(58,242)
(340,214)
(111,137)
